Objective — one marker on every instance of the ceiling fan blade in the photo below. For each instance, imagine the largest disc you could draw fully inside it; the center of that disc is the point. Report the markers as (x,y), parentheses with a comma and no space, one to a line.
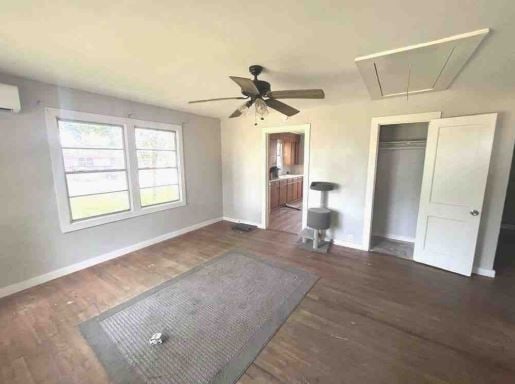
(238,112)
(246,85)
(279,106)
(298,94)
(221,98)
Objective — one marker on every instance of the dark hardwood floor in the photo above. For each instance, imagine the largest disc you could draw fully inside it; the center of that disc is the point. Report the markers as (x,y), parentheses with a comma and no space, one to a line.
(285,219)
(369,319)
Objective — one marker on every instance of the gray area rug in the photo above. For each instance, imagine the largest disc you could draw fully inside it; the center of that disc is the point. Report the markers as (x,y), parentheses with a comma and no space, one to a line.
(215,318)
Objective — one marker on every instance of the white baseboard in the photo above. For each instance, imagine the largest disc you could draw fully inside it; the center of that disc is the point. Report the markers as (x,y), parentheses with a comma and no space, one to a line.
(477,270)
(233,220)
(483,271)
(348,244)
(22,285)
(395,237)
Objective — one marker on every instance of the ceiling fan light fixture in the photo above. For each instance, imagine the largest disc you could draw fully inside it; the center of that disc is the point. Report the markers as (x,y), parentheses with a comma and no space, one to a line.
(243,108)
(261,108)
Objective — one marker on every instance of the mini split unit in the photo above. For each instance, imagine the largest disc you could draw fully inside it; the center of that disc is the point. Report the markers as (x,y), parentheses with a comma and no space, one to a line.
(9,98)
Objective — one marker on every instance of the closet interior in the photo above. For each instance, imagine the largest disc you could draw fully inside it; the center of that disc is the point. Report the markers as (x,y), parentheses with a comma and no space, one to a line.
(400,166)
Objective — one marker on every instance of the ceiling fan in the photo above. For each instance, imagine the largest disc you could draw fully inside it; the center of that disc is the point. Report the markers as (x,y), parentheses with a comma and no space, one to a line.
(258,92)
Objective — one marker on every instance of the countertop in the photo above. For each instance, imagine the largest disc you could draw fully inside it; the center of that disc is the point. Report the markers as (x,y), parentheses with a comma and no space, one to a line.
(285,177)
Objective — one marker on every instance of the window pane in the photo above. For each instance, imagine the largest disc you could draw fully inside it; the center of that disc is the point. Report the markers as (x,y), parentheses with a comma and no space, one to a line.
(154,139)
(156,177)
(96,205)
(89,135)
(159,195)
(156,159)
(98,182)
(93,159)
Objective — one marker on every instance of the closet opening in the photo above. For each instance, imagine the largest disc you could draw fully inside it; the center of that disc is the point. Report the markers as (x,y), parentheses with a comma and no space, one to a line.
(400,166)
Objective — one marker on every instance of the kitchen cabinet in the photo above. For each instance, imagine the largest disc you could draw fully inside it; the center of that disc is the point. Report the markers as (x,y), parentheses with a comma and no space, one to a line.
(287,152)
(290,151)
(274,194)
(291,186)
(283,198)
(284,191)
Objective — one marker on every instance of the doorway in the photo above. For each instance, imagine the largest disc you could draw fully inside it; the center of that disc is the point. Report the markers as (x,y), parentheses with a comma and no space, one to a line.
(400,166)
(374,152)
(286,165)
(505,255)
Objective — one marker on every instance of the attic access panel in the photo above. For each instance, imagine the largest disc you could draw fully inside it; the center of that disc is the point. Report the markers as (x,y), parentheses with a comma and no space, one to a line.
(418,68)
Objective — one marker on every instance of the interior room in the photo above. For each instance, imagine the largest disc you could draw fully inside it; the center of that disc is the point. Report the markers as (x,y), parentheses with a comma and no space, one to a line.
(267,192)
(285,182)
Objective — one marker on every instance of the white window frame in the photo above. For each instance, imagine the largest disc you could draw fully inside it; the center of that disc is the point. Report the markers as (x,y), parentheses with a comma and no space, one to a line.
(65,218)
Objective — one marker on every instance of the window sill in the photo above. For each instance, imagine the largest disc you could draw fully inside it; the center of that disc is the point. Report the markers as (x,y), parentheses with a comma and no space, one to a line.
(67,227)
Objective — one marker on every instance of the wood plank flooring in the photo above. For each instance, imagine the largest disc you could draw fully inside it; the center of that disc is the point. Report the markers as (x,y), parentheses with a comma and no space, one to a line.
(369,319)
(285,219)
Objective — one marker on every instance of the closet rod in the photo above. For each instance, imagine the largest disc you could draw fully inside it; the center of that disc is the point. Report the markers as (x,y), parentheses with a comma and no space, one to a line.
(402,144)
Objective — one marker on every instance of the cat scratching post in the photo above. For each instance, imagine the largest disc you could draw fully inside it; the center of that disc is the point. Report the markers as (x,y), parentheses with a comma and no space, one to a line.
(319,220)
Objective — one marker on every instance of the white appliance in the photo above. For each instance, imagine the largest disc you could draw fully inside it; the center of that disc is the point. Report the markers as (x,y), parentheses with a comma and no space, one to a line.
(9,98)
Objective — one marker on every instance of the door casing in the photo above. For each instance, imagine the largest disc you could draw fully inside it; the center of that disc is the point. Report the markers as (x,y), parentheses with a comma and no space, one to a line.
(265,137)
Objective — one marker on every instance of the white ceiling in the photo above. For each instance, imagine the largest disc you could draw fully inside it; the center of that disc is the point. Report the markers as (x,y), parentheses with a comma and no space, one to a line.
(169,52)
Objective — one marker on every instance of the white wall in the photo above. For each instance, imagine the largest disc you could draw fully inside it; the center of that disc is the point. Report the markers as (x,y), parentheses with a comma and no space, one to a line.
(339,153)
(31,242)
(397,193)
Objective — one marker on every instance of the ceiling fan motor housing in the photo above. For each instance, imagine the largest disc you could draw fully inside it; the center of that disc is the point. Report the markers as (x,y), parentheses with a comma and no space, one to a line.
(262,86)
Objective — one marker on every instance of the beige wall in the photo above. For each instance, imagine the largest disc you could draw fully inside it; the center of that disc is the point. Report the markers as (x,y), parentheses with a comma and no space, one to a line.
(339,153)
(31,242)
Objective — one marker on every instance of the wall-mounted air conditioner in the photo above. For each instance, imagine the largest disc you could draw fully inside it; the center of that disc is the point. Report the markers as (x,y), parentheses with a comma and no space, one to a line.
(9,98)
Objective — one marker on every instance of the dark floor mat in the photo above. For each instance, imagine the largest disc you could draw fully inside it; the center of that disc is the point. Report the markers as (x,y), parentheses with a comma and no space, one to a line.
(243,227)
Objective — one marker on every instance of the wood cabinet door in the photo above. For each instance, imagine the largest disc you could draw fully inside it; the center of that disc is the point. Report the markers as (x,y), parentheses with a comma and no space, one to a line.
(291,186)
(295,151)
(283,192)
(301,186)
(287,159)
(295,189)
(274,195)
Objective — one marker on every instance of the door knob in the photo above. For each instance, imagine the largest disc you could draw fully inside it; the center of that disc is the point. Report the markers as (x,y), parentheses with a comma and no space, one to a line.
(474,212)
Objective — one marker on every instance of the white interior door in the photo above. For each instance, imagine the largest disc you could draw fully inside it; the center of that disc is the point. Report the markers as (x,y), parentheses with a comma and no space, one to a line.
(453,188)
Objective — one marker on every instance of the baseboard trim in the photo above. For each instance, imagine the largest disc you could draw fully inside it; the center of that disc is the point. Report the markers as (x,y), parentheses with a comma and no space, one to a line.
(476,270)
(395,237)
(484,272)
(233,220)
(348,244)
(37,280)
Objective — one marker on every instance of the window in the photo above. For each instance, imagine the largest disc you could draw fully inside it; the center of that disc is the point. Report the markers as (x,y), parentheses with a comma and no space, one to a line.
(109,168)
(94,168)
(279,152)
(157,166)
